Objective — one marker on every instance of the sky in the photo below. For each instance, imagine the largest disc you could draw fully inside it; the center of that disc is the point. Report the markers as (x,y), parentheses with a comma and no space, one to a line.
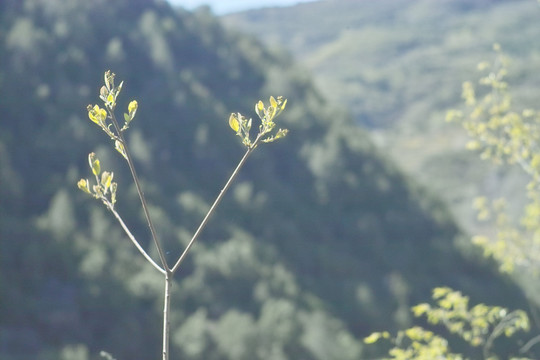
(220,7)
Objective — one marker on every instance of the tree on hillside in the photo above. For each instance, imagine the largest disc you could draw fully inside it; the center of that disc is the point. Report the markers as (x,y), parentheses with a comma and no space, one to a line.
(506,137)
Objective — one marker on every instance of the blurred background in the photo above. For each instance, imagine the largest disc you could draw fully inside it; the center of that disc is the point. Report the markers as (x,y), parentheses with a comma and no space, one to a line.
(328,235)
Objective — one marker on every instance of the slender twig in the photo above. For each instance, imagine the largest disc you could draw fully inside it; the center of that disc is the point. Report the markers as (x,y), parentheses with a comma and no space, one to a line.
(215,204)
(525,348)
(166,313)
(131,237)
(139,191)
(498,330)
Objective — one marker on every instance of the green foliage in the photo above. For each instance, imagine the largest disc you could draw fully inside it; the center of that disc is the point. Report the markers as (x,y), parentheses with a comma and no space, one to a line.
(242,126)
(397,65)
(504,136)
(479,326)
(105,188)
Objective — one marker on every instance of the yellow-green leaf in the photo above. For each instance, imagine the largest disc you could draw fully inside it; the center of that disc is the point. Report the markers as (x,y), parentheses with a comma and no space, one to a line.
(233,122)
(96,168)
(273,102)
(106,179)
(374,337)
(259,109)
(283,104)
(83,185)
(132,108)
(271,112)
(93,161)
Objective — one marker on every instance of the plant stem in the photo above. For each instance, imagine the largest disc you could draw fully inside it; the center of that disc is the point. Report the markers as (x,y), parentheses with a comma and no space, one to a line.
(166,313)
(139,191)
(132,238)
(215,204)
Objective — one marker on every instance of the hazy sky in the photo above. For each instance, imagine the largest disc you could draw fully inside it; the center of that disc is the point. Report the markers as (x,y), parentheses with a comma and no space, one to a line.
(220,7)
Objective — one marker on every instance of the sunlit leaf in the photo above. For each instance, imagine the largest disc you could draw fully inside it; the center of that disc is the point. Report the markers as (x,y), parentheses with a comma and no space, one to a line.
(106,179)
(374,337)
(132,108)
(83,185)
(259,109)
(234,123)
(283,104)
(94,163)
(273,102)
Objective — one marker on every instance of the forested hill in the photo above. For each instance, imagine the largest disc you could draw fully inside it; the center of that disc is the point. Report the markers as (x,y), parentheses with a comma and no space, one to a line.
(398,66)
(320,242)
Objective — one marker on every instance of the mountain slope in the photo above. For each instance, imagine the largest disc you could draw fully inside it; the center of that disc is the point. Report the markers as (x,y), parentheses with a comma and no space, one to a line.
(398,66)
(321,240)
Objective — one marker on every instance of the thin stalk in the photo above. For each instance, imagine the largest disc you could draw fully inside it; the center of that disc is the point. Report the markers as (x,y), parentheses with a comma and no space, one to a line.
(166,313)
(215,204)
(132,238)
(139,191)
(535,340)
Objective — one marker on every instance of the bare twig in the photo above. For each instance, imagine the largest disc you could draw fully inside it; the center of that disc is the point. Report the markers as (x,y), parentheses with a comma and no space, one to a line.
(215,204)
(131,237)
(139,191)
(166,313)
(525,348)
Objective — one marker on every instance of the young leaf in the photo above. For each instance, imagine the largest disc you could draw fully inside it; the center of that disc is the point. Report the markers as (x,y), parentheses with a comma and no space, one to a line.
(103,92)
(106,78)
(111,100)
(106,179)
(94,163)
(273,102)
(259,109)
(234,123)
(120,148)
(83,185)
(132,109)
(119,88)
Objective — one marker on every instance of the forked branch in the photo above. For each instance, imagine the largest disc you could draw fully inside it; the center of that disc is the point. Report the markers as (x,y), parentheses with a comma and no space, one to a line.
(105,189)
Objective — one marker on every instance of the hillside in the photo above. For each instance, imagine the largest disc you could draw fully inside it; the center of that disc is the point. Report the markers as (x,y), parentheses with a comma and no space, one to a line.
(321,241)
(397,66)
